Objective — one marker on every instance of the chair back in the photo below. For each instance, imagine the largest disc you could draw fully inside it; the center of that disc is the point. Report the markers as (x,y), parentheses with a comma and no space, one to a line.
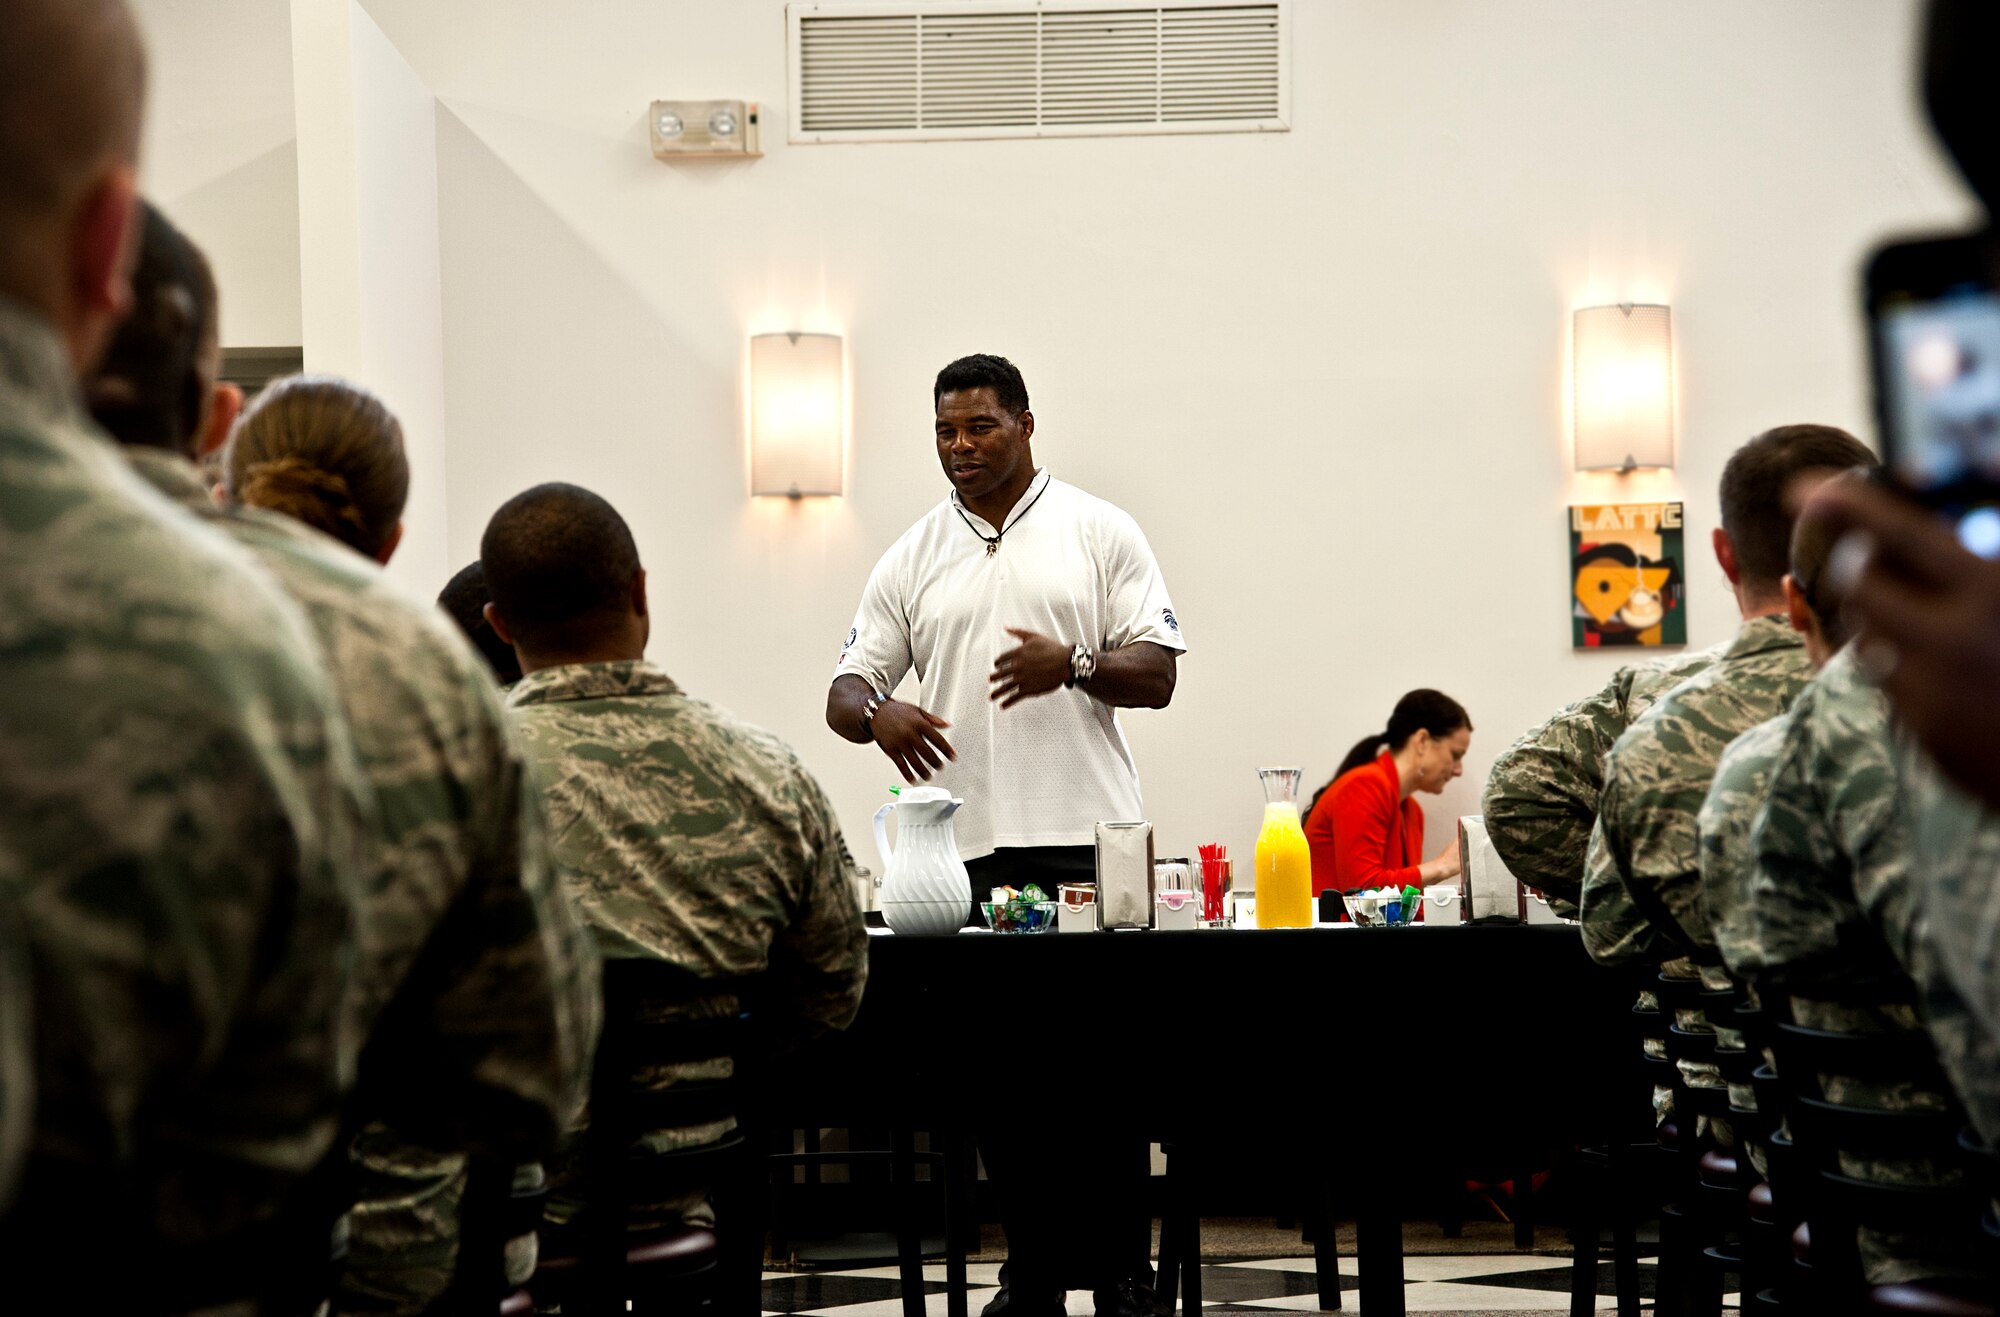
(1824,1132)
(1648,1024)
(658,1014)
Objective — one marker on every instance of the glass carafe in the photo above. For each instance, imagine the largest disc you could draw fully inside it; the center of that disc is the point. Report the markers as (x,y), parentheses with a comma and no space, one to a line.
(1284,861)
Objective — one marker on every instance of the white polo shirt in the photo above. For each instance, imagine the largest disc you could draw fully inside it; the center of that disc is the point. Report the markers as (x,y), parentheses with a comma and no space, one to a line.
(1070,566)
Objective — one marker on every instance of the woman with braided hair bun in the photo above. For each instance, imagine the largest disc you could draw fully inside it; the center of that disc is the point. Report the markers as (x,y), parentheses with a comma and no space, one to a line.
(471,986)
(328,453)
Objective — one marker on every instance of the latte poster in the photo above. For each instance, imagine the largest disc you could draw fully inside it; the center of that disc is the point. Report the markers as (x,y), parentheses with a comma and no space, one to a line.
(1628,583)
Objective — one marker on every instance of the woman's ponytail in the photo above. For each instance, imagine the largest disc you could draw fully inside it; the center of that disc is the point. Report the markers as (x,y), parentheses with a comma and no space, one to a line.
(1364,752)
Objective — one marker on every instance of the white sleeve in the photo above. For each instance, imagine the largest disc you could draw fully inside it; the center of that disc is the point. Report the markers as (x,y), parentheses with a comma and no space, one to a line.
(1136,606)
(877,648)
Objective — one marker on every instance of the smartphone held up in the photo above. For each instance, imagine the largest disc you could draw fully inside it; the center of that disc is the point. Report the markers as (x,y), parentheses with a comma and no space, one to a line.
(1934,338)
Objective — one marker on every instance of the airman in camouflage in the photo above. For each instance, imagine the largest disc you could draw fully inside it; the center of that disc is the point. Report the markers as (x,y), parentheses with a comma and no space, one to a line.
(478,985)
(1642,884)
(1541,796)
(687,836)
(1642,878)
(477,992)
(180,822)
(1827,896)
(683,834)
(1723,832)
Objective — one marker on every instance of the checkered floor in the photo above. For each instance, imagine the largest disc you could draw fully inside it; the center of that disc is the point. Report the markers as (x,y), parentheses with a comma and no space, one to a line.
(1470,1285)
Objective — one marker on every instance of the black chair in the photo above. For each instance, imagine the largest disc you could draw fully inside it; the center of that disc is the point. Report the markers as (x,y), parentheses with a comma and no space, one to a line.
(1982,1164)
(657,1014)
(1619,1180)
(950,1160)
(1836,1204)
(1766,1230)
(1614,1181)
(1702,1227)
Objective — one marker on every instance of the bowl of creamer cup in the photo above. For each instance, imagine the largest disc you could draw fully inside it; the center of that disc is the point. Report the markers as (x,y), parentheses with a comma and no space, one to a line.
(1383,905)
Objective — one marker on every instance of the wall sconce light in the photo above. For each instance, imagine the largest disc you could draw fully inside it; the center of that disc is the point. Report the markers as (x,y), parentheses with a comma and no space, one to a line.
(795,415)
(1624,379)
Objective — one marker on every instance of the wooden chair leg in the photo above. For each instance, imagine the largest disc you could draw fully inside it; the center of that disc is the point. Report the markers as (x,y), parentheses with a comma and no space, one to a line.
(957,1214)
(1624,1245)
(781,1195)
(1669,1278)
(1326,1249)
(744,1205)
(1585,1223)
(1524,1211)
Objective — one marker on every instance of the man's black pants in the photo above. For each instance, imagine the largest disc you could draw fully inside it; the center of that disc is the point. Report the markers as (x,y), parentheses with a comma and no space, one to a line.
(1071,1182)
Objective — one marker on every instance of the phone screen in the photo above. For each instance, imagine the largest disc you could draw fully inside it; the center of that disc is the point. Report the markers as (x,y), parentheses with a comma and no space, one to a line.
(1941,379)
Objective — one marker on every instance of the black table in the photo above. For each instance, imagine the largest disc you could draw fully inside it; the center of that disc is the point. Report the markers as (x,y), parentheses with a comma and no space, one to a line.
(1510,1038)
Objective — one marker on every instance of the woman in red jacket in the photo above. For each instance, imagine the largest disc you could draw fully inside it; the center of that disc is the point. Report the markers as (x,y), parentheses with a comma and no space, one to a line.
(1363,827)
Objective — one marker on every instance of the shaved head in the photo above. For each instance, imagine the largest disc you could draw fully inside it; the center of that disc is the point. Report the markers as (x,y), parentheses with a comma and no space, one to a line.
(560,562)
(72,90)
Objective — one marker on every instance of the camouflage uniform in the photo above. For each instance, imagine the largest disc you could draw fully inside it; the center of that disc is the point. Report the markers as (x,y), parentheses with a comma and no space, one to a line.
(479,987)
(181,820)
(1723,834)
(1955,847)
(1541,797)
(1722,828)
(1829,897)
(1642,875)
(1642,879)
(687,836)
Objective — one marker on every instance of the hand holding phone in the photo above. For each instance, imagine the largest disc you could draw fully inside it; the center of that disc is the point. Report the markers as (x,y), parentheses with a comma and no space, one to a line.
(1934,321)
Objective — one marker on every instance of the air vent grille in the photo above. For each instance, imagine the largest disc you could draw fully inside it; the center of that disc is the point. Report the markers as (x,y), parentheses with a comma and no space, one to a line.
(1016,68)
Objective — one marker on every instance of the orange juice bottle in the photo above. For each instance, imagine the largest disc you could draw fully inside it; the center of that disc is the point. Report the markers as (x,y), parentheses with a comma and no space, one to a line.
(1284,861)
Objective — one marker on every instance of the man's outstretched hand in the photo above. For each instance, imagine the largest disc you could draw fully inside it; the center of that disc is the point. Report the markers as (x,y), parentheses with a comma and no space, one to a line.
(913,738)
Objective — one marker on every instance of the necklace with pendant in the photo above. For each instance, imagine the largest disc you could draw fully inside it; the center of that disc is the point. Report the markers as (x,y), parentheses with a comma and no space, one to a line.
(992,542)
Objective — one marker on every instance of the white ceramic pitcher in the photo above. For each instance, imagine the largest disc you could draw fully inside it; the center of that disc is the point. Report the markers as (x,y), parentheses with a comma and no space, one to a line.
(925,889)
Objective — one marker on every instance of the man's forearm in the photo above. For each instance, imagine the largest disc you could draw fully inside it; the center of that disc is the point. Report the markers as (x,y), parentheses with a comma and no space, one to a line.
(846,702)
(1137,676)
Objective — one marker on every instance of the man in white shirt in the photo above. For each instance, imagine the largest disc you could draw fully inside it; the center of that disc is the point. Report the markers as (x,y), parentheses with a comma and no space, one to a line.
(1030,611)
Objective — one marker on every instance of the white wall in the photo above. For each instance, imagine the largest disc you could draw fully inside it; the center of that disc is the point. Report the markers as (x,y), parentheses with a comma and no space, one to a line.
(1322,368)
(369,235)
(221,152)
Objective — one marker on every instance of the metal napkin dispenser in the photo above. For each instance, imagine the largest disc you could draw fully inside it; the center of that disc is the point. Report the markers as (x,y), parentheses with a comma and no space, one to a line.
(1125,875)
(1490,888)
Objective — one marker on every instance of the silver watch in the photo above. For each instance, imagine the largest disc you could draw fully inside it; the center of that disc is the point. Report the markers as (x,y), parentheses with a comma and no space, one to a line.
(868,712)
(1082,665)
